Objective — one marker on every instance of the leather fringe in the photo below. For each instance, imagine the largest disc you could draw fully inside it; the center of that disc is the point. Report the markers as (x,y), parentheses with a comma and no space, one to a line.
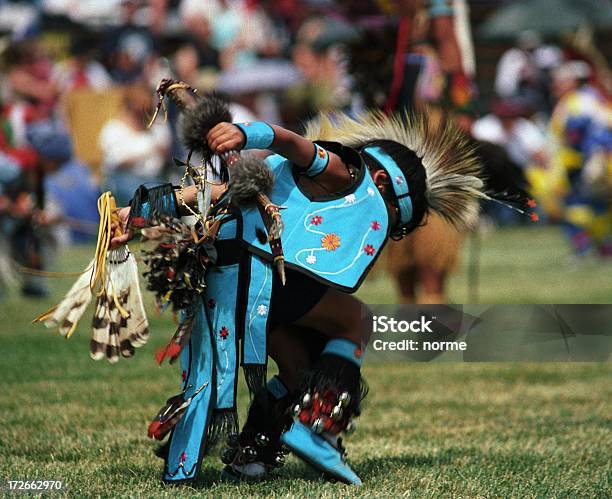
(255,376)
(222,423)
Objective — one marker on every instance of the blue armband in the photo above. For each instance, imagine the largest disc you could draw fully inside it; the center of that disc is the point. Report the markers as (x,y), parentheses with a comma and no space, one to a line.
(440,8)
(319,162)
(257,134)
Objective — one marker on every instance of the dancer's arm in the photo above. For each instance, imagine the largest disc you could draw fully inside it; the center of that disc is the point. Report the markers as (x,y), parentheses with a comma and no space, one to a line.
(308,158)
(189,197)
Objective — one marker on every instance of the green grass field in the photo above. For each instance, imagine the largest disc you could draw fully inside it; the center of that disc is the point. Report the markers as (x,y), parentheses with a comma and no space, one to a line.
(428,430)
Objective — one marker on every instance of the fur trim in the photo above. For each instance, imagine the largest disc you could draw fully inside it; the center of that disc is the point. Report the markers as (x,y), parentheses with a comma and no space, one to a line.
(454,182)
(199,120)
(250,177)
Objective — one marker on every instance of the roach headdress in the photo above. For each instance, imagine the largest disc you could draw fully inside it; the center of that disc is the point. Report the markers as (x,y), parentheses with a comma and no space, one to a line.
(453,184)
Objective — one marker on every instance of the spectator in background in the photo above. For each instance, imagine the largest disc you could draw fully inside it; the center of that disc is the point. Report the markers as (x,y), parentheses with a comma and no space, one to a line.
(579,130)
(524,71)
(28,91)
(70,191)
(239,31)
(196,16)
(508,125)
(128,48)
(132,153)
(319,58)
(186,65)
(81,70)
(10,174)
(130,59)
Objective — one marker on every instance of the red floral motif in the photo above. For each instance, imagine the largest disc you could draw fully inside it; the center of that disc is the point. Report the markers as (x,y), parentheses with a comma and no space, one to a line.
(184,375)
(183,457)
(211,303)
(224,333)
(369,249)
(316,220)
(531,203)
(375,225)
(534,217)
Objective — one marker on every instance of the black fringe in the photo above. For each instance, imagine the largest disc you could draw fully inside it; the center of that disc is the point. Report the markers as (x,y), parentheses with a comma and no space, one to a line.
(161,202)
(222,423)
(255,376)
(268,415)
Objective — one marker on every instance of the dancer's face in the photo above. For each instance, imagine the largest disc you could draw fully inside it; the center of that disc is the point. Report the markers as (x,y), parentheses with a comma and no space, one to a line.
(381,179)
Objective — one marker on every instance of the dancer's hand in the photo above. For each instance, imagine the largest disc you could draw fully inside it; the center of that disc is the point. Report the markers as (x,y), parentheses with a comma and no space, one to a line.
(117,241)
(225,137)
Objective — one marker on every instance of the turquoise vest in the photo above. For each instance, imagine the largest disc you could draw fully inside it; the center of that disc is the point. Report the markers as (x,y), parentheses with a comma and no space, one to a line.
(334,240)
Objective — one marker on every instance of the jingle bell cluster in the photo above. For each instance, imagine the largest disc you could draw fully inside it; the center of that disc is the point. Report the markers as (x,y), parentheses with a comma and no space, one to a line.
(258,449)
(328,412)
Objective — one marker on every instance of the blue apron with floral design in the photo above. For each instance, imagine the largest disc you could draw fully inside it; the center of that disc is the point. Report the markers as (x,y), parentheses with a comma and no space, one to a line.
(334,240)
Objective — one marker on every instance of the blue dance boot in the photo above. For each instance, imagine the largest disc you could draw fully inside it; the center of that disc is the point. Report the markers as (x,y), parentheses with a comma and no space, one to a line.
(315,450)
(331,395)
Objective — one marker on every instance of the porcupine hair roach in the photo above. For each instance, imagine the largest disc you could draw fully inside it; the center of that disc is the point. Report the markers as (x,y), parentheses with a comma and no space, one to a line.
(452,172)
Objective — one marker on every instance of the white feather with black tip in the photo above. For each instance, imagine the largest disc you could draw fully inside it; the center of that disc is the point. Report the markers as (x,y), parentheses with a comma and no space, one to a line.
(67,313)
(119,324)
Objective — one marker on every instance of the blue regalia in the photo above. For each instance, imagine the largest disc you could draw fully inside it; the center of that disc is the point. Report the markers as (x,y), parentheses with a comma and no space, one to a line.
(334,239)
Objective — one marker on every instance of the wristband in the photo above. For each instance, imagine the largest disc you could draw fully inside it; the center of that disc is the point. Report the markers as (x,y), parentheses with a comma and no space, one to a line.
(149,203)
(257,134)
(319,162)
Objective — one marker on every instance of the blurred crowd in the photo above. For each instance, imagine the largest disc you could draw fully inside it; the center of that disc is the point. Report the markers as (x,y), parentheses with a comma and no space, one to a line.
(78,79)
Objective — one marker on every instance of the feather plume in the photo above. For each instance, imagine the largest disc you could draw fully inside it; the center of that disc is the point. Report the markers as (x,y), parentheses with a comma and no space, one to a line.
(136,329)
(66,314)
(453,173)
(171,413)
(119,325)
(180,338)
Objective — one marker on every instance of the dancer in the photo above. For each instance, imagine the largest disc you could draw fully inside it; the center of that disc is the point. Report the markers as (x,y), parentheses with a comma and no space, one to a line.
(341,197)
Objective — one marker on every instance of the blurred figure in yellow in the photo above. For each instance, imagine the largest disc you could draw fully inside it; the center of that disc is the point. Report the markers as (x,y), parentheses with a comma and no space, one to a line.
(581,147)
